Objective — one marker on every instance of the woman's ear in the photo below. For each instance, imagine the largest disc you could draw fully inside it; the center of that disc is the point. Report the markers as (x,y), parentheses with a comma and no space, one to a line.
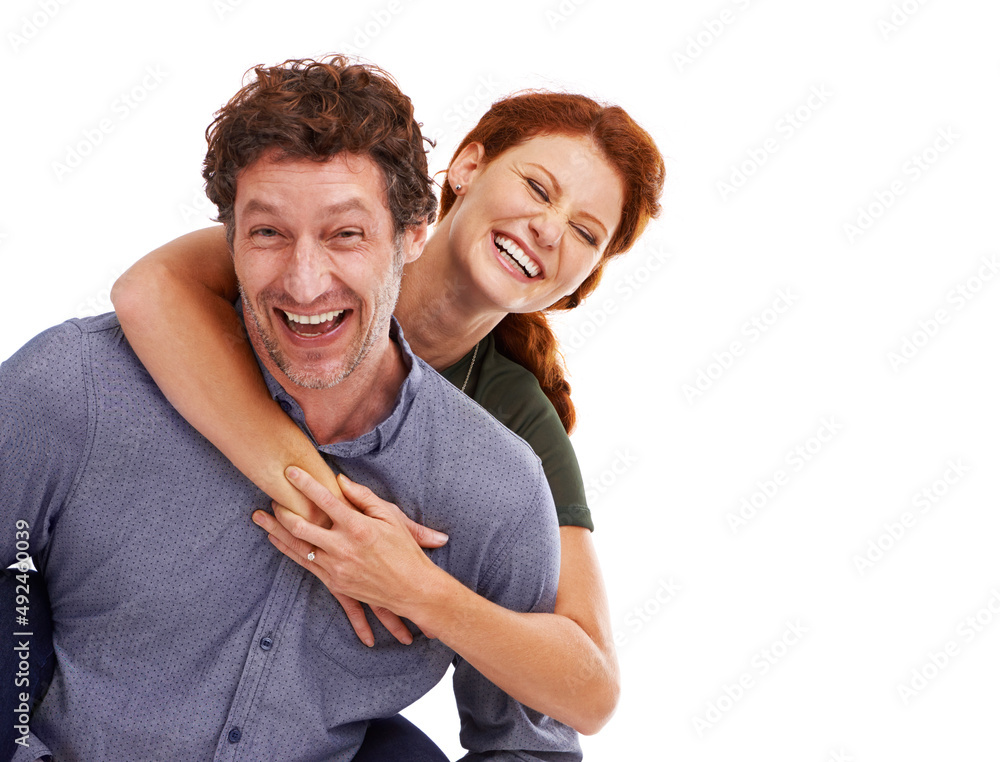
(466,166)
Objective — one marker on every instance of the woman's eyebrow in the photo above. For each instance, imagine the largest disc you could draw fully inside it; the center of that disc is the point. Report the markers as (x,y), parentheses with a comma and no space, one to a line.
(552,178)
(596,221)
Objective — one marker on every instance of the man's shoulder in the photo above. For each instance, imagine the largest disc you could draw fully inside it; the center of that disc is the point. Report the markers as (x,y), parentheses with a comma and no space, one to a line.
(66,337)
(81,326)
(54,353)
(56,366)
(482,462)
(469,421)
(45,392)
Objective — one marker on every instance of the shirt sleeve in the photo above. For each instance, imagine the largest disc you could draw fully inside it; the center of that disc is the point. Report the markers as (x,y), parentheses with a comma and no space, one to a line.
(523,577)
(31,750)
(43,436)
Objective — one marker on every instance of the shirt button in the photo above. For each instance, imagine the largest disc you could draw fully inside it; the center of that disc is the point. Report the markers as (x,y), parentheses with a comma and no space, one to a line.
(285,406)
(266,643)
(235,735)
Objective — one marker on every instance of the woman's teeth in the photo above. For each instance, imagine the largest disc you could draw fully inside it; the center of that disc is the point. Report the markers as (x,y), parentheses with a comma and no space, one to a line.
(514,253)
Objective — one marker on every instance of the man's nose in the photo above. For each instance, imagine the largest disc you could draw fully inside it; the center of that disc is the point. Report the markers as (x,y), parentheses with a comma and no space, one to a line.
(308,275)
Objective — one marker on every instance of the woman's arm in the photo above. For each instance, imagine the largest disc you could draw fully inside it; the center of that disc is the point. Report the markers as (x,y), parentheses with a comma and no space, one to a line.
(175,307)
(560,664)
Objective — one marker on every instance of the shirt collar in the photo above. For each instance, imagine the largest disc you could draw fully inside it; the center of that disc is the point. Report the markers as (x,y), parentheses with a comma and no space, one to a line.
(379,437)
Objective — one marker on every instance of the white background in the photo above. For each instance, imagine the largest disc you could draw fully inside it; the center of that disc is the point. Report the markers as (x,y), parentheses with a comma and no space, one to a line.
(713,82)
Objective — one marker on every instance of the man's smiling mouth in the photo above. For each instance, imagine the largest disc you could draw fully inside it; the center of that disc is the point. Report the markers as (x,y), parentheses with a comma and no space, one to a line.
(311,326)
(512,253)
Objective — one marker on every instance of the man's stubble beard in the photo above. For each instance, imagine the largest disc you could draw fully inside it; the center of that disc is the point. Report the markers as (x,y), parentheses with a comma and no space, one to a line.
(385,303)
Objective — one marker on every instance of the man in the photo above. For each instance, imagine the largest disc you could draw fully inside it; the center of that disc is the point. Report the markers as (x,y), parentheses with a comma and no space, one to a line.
(180,632)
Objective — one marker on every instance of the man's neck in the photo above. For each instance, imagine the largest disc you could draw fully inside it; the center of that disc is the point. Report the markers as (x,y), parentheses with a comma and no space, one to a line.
(357,404)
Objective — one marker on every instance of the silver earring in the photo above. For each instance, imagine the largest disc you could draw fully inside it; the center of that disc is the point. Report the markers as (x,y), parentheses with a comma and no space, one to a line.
(458,188)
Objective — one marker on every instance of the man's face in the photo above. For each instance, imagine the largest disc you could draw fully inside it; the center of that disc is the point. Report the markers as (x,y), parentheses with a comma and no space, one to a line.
(318,263)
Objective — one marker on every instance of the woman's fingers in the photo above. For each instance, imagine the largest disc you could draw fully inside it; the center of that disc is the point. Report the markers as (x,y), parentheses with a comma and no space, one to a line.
(361,497)
(374,556)
(300,529)
(425,536)
(297,551)
(374,506)
(277,530)
(301,560)
(330,504)
(393,624)
(356,616)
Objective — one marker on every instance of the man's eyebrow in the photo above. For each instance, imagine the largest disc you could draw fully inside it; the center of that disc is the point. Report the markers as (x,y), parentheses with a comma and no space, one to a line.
(558,190)
(255,206)
(349,205)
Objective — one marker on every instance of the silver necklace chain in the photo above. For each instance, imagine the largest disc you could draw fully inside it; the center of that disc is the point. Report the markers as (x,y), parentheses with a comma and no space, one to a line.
(468,375)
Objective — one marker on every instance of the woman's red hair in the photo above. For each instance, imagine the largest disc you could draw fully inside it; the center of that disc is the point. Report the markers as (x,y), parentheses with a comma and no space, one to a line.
(527,338)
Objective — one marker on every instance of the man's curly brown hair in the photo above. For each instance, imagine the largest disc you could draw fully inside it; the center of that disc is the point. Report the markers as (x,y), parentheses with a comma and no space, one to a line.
(313,109)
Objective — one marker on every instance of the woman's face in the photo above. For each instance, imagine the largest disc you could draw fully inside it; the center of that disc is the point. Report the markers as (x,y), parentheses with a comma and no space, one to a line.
(532,224)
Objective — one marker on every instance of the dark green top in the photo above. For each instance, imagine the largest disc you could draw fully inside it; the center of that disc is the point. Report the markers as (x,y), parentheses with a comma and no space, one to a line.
(511,394)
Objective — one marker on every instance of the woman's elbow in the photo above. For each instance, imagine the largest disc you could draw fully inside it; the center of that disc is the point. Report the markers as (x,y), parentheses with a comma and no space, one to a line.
(130,293)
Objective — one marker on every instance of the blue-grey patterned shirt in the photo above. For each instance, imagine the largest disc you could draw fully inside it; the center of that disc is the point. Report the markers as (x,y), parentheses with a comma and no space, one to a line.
(181,633)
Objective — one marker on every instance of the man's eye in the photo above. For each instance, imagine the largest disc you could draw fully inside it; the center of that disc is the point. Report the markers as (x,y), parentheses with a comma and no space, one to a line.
(539,190)
(265,232)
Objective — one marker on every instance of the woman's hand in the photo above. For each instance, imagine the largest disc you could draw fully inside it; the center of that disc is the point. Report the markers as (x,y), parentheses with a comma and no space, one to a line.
(371,552)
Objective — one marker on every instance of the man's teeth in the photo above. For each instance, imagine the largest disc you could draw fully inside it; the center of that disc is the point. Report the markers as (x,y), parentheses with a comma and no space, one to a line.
(313,319)
(513,251)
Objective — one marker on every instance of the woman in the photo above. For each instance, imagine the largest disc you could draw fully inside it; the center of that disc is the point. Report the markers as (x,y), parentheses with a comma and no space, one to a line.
(539,196)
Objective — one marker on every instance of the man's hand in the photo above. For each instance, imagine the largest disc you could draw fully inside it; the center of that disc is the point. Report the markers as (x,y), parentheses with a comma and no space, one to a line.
(370,552)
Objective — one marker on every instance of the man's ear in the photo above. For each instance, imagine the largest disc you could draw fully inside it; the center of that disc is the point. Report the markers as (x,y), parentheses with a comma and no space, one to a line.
(465,166)
(414,240)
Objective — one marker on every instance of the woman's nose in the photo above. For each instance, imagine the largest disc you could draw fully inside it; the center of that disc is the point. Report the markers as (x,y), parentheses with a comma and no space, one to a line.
(548,227)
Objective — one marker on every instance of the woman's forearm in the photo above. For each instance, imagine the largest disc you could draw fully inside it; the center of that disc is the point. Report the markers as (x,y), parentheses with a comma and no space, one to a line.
(560,664)
(193,278)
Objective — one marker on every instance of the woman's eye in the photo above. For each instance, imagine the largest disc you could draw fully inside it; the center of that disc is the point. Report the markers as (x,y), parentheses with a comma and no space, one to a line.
(539,190)
(585,235)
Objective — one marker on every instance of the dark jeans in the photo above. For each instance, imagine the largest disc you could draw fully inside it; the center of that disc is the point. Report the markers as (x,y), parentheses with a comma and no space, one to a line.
(396,739)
